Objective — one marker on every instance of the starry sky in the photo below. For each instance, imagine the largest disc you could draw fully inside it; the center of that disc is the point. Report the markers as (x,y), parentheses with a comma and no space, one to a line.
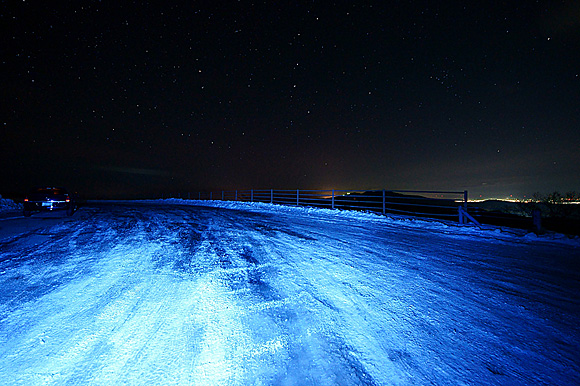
(139,98)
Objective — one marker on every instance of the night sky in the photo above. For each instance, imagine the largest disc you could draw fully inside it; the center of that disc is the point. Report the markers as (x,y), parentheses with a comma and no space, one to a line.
(124,99)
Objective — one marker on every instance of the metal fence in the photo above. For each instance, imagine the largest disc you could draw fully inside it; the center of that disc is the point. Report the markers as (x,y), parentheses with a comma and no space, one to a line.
(426,203)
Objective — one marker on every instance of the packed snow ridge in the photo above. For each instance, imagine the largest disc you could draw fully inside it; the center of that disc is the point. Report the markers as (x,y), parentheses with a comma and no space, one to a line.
(426,223)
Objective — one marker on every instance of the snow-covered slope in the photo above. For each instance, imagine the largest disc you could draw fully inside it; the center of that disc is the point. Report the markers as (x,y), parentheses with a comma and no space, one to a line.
(256,294)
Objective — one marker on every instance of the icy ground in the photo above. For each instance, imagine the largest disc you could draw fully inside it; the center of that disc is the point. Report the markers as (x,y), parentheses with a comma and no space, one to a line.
(164,293)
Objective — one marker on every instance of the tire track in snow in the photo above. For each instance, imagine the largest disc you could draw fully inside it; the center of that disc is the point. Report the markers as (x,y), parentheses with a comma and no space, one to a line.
(299,320)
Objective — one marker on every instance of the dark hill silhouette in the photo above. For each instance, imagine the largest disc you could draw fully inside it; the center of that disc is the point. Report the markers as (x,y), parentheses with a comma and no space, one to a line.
(491,212)
(398,203)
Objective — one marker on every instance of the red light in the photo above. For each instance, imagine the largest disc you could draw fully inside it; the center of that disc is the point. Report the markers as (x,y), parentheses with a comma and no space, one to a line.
(26,200)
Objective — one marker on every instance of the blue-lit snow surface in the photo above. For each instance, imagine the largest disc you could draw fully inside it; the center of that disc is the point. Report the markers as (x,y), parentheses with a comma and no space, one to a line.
(166,293)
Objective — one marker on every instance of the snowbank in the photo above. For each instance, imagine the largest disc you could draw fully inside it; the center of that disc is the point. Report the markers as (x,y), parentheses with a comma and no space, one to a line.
(468,230)
(8,205)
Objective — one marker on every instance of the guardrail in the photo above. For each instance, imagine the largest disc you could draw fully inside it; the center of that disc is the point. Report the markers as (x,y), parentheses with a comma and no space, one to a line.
(424,203)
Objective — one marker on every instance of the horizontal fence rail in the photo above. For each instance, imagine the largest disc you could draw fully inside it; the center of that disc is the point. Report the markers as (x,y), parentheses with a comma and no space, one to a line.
(425,203)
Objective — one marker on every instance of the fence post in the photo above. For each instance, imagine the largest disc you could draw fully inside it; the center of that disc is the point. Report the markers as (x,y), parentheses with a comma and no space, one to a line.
(464,217)
(465,198)
(271,196)
(537,221)
(297,197)
(384,201)
(222,195)
(332,198)
(236,194)
(251,195)
(210,196)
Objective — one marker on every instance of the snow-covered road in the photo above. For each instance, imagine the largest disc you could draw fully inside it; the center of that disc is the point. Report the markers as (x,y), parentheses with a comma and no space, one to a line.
(162,294)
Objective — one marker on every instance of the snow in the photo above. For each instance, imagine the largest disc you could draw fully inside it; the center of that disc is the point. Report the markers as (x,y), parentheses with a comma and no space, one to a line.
(228,293)
(8,205)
